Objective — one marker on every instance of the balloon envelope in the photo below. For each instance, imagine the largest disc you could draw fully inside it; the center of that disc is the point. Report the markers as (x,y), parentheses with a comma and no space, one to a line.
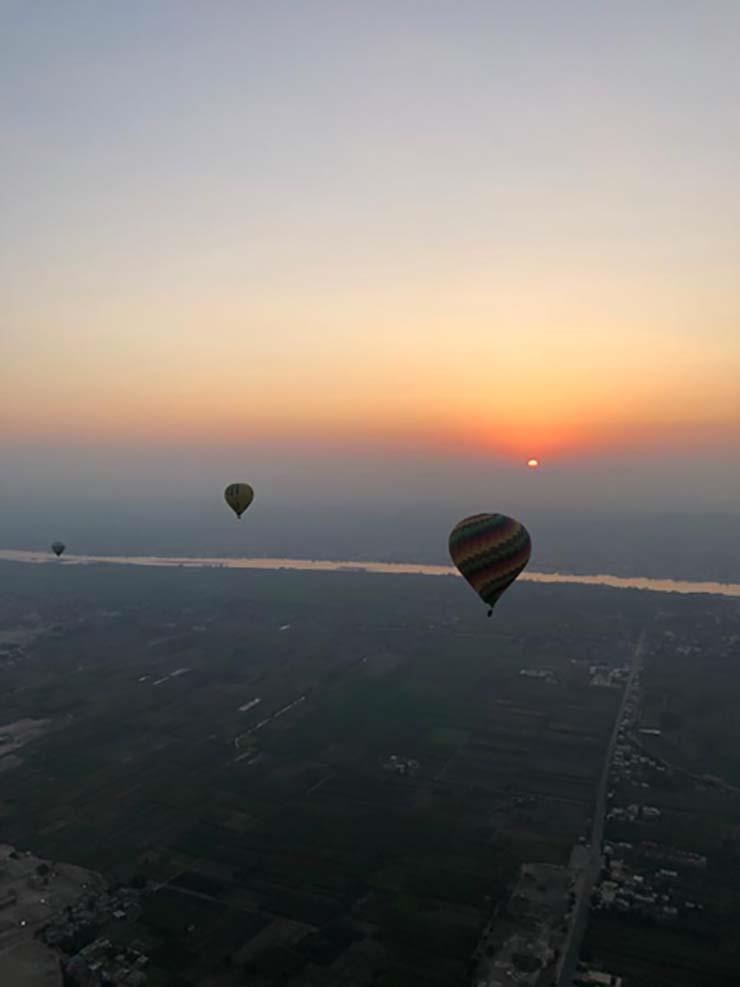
(238,496)
(490,550)
(58,547)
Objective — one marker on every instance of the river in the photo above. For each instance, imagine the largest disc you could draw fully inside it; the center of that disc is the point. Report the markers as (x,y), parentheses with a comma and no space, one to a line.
(394,568)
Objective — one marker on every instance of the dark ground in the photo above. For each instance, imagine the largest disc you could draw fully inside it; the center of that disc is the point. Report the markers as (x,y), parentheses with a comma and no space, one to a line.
(289,852)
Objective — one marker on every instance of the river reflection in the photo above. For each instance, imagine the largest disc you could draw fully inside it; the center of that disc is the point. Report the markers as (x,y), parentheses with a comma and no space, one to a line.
(397,568)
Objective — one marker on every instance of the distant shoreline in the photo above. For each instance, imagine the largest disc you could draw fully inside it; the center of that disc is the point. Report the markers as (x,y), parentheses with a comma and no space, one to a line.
(681,586)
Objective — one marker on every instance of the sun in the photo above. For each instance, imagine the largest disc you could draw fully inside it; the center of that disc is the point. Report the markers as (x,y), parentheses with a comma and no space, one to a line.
(533,463)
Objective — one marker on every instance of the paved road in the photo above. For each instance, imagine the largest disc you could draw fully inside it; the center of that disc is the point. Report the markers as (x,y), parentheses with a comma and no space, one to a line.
(572,948)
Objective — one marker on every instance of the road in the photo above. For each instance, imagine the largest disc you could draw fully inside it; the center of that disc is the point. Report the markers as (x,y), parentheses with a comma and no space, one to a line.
(573,943)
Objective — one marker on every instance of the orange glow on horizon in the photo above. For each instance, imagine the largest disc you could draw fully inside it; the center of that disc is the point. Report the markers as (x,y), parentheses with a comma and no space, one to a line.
(355,430)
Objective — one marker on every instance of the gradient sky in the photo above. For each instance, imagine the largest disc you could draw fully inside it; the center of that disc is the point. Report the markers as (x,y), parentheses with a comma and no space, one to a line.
(346,229)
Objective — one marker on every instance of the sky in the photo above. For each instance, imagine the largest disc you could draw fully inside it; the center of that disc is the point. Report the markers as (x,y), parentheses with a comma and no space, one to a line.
(362,253)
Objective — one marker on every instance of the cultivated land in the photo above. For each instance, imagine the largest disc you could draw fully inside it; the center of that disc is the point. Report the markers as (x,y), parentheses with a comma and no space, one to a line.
(229,737)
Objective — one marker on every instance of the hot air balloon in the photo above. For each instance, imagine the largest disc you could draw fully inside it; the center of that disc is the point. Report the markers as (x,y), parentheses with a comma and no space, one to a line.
(58,547)
(238,496)
(490,550)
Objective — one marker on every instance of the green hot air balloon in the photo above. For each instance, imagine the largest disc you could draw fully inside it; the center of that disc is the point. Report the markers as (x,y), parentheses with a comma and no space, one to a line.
(238,496)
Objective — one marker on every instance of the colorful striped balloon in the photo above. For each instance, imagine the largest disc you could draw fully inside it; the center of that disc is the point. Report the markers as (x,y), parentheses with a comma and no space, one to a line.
(490,550)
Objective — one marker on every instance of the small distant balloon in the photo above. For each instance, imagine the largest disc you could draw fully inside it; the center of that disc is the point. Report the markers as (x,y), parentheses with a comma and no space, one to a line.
(533,463)
(58,547)
(238,496)
(490,550)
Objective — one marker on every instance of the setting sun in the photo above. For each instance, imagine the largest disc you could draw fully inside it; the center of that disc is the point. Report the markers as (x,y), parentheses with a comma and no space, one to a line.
(533,463)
